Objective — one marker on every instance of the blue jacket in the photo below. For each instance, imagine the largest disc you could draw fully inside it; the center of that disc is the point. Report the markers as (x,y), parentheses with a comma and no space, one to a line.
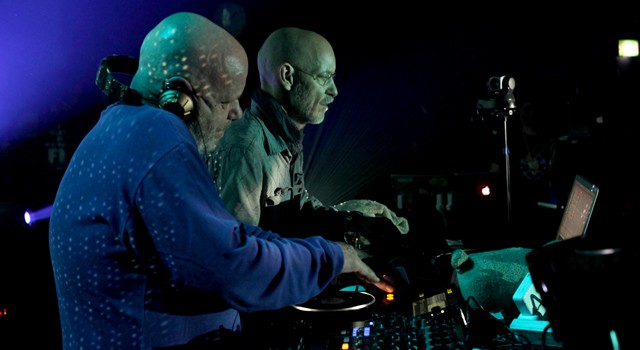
(137,226)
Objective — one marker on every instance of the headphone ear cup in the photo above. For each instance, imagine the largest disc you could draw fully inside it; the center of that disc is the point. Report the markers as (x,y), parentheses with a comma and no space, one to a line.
(176,97)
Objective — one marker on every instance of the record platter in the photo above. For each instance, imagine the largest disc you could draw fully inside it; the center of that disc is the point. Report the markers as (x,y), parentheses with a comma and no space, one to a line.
(337,302)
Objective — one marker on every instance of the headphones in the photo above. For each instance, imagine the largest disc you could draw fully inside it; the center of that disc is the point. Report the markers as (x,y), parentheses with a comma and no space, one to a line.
(110,86)
(176,97)
(176,91)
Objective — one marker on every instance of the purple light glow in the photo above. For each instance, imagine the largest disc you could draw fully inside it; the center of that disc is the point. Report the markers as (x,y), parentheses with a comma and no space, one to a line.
(31,217)
(51,51)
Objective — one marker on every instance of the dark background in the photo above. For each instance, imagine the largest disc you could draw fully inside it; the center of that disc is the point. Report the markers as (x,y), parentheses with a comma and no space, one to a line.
(409,77)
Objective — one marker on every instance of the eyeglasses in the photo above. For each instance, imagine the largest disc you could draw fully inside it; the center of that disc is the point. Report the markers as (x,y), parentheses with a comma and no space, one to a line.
(322,79)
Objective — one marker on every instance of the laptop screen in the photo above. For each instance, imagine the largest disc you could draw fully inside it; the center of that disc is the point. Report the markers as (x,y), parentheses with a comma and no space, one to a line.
(578,210)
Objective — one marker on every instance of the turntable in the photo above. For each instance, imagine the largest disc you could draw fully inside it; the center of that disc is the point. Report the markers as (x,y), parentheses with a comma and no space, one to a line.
(340,301)
(313,320)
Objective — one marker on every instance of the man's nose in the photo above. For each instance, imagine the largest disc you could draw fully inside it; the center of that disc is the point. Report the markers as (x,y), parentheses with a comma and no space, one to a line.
(235,112)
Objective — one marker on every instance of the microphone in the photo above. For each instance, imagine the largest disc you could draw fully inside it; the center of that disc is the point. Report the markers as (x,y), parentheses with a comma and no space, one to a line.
(502,87)
(508,83)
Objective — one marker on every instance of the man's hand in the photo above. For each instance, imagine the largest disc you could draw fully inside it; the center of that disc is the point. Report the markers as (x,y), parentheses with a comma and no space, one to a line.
(353,263)
(377,235)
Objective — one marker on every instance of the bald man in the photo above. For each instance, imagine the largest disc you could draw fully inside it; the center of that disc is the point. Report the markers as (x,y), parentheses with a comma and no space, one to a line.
(258,164)
(135,232)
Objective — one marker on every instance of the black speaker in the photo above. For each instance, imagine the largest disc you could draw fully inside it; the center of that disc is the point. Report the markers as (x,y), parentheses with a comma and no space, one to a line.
(587,286)
(176,97)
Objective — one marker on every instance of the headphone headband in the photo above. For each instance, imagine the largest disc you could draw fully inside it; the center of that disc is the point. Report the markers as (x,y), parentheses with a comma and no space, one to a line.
(110,86)
(176,91)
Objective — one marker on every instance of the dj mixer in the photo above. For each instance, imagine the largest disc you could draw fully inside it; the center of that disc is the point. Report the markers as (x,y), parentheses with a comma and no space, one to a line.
(394,331)
(351,320)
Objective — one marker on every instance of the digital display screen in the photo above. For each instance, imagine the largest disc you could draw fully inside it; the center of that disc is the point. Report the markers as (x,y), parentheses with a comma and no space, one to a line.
(578,209)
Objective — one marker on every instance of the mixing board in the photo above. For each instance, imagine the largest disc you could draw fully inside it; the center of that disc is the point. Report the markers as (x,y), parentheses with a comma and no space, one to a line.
(431,323)
(397,331)
(428,314)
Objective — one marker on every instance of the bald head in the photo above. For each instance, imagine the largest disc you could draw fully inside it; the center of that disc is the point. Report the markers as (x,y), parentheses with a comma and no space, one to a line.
(295,46)
(189,45)
(297,68)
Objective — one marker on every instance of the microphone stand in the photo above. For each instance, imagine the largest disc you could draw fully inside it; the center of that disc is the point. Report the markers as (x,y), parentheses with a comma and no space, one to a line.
(508,110)
(507,168)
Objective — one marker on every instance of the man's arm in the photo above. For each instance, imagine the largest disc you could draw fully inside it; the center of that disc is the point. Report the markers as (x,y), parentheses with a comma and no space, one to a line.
(198,248)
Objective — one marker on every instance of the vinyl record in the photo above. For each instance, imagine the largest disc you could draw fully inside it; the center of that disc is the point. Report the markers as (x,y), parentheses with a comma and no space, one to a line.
(338,301)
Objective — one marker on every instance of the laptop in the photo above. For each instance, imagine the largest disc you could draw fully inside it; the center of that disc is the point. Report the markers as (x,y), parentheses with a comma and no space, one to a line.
(573,272)
(578,209)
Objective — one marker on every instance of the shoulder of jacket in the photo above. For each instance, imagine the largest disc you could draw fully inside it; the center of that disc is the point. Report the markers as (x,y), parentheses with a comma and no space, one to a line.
(246,132)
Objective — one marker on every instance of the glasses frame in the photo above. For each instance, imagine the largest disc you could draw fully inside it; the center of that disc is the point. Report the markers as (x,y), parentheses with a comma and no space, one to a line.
(322,80)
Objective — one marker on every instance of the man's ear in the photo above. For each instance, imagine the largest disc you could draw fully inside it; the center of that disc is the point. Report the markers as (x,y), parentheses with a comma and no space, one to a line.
(285,75)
